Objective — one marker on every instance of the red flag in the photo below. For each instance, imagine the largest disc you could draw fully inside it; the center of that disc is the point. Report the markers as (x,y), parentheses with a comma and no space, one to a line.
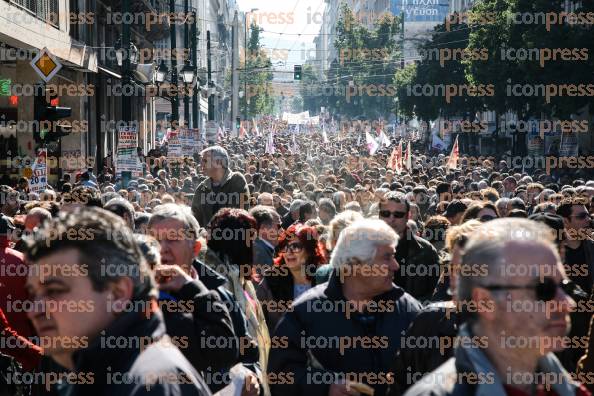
(395,161)
(454,156)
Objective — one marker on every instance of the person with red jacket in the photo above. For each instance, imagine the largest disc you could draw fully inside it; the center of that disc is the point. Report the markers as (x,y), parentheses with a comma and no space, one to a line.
(13,275)
(17,346)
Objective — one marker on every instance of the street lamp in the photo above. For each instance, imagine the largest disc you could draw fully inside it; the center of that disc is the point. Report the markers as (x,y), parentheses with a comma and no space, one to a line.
(188,74)
(161,73)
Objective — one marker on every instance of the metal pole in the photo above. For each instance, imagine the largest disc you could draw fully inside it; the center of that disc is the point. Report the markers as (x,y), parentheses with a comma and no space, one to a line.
(186,45)
(210,83)
(126,99)
(235,73)
(245,61)
(174,80)
(126,78)
(196,96)
(402,39)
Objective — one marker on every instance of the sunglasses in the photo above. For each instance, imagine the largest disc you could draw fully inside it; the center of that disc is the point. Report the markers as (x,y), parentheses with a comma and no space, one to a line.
(545,290)
(387,213)
(486,218)
(293,248)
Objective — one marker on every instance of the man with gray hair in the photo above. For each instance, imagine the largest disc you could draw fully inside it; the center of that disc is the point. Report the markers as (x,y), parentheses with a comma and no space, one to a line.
(326,324)
(36,217)
(177,232)
(222,187)
(512,291)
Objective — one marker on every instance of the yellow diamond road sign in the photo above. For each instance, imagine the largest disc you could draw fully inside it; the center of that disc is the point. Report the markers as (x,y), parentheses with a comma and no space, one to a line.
(46,65)
(28,172)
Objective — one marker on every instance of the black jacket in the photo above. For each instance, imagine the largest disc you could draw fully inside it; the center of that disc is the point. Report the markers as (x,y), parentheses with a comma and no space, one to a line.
(420,270)
(248,350)
(438,321)
(196,314)
(137,369)
(312,340)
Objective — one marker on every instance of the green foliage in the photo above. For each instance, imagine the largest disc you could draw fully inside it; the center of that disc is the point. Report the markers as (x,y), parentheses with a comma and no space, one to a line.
(483,60)
(312,100)
(256,71)
(367,59)
(535,39)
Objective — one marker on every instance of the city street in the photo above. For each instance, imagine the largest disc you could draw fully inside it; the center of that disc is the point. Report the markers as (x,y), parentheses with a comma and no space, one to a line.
(306,197)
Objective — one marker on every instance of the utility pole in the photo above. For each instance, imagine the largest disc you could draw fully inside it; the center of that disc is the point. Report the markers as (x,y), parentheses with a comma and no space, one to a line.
(186,45)
(126,99)
(196,96)
(126,77)
(402,39)
(245,75)
(235,73)
(210,83)
(174,77)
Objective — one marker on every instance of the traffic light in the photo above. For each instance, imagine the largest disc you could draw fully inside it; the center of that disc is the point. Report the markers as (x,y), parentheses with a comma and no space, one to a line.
(47,114)
(237,123)
(297,72)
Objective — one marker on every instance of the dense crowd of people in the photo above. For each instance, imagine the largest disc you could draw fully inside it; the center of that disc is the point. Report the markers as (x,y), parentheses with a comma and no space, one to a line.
(313,270)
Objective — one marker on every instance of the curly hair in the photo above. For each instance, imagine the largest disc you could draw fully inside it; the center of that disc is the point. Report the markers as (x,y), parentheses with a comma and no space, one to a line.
(226,230)
(309,238)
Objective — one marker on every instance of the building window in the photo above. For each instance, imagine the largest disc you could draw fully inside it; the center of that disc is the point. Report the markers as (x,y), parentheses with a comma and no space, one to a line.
(46,10)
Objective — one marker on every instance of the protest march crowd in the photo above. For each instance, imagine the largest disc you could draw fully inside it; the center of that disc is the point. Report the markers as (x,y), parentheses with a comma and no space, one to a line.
(300,264)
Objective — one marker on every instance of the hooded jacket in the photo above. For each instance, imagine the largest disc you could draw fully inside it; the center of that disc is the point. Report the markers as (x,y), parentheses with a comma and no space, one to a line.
(139,368)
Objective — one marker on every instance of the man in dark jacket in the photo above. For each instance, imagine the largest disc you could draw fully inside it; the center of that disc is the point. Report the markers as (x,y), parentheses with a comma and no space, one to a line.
(505,347)
(419,261)
(103,326)
(222,189)
(344,333)
(168,222)
(579,260)
(269,224)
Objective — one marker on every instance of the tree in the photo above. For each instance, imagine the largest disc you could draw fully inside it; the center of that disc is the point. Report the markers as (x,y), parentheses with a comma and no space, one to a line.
(257,72)
(404,79)
(521,78)
(296,104)
(311,91)
(362,77)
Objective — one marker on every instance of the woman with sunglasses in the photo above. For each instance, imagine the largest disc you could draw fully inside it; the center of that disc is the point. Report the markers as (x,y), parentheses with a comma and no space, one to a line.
(299,254)
(482,211)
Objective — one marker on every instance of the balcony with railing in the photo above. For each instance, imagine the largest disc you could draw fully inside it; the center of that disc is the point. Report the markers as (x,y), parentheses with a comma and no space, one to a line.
(45,10)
